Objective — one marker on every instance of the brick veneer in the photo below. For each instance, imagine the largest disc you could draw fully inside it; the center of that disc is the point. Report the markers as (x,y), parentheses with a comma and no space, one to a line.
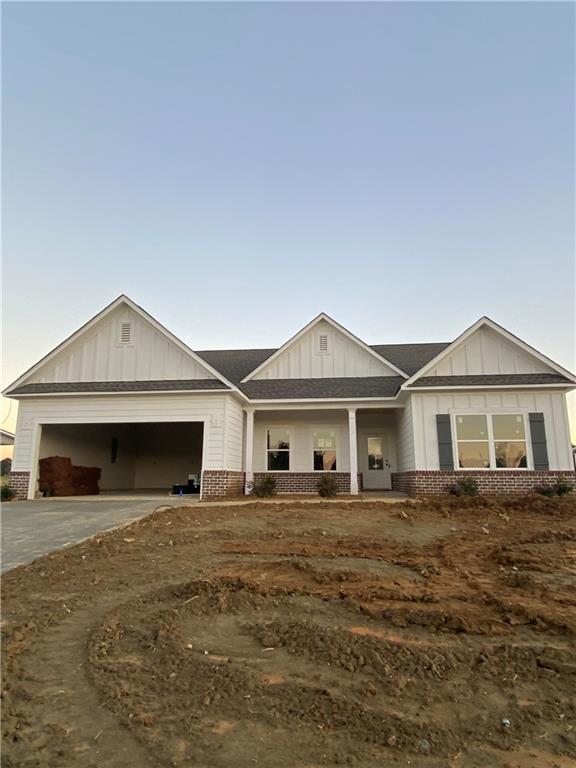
(19,484)
(490,482)
(307,482)
(218,483)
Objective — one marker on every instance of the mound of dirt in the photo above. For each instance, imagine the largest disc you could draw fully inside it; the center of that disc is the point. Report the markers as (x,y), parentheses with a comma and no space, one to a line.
(300,636)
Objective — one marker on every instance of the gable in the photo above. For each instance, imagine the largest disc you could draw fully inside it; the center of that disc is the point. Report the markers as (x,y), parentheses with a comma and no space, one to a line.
(486,351)
(123,345)
(306,358)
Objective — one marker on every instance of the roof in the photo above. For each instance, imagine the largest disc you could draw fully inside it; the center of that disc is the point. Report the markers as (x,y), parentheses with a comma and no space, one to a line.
(52,387)
(345,387)
(324,318)
(410,357)
(6,438)
(236,364)
(491,380)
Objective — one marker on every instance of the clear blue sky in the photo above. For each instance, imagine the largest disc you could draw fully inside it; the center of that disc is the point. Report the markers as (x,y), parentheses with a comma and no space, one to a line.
(238,167)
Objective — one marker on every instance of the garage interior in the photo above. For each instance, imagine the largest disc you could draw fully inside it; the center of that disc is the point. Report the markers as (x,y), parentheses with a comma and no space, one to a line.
(132,457)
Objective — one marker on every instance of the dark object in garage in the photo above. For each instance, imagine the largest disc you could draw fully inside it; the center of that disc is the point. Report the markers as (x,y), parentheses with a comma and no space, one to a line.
(192,486)
(58,477)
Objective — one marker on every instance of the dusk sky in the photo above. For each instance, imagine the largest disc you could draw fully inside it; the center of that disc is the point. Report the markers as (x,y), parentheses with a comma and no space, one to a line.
(236,168)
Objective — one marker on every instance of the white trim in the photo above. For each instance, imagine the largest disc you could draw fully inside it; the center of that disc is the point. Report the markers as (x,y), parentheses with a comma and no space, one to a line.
(353,449)
(311,324)
(327,400)
(449,388)
(122,299)
(486,321)
(127,392)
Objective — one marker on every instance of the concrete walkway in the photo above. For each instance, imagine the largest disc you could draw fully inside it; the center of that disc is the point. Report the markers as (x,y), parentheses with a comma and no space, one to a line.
(30,529)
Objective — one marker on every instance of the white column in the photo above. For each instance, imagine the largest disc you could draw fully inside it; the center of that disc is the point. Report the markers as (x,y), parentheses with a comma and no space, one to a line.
(353,451)
(248,460)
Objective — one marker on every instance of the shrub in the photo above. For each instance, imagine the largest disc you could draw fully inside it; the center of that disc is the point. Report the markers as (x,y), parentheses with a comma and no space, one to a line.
(7,493)
(264,487)
(327,486)
(560,488)
(468,486)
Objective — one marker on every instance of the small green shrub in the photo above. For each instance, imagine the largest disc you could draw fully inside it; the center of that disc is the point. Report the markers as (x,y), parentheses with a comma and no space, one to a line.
(264,487)
(560,488)
(468,486)
(7,493)
(327,486)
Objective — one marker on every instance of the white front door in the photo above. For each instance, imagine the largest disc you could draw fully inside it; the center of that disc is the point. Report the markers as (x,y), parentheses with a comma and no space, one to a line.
(376,460)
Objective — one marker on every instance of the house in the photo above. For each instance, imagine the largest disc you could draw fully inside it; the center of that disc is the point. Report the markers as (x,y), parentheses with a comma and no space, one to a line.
(124,394)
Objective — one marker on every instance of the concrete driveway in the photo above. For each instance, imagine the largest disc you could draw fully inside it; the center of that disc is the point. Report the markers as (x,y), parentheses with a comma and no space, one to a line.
(34,528)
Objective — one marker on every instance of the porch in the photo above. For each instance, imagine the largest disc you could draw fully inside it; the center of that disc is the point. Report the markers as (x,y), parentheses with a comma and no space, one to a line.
(357,445)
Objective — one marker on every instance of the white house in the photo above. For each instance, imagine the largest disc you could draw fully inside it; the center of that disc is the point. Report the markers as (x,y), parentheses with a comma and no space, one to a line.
(126,395)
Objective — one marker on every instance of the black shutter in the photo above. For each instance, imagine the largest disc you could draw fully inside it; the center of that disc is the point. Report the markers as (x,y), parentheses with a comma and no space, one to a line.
(538,435)
(444,441)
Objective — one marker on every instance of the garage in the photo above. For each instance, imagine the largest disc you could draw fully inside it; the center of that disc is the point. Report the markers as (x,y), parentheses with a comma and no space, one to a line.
(148,456)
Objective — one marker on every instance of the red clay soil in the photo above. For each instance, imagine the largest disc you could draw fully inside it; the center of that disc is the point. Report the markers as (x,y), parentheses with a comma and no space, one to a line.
(438,634)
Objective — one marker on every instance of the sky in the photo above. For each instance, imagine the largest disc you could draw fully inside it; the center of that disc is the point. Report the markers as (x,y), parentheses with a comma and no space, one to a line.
(236,168)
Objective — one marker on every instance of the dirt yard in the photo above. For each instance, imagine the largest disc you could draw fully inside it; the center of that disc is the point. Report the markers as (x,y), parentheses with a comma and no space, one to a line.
(431,635)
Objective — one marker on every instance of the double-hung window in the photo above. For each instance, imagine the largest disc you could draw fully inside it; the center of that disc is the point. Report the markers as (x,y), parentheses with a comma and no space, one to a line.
(324,448)
(491,441)
(278,449)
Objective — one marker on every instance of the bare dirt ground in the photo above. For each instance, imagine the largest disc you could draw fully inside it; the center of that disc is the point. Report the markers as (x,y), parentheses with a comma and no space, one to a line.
(434,634)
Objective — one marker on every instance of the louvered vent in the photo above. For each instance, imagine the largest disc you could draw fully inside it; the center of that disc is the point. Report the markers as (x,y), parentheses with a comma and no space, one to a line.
(125,333)
(323,344)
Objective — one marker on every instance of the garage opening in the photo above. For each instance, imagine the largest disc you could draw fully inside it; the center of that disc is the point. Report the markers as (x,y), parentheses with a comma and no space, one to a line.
(147,457)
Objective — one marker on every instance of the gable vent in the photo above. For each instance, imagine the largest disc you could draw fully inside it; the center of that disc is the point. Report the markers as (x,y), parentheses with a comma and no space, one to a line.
(323,344)
(125,333)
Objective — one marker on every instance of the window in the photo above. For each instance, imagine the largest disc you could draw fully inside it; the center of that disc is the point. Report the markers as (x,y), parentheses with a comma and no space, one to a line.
(375,453)
(125,333)
(325,450)
(278,449)
(496,441)
(473,445)
(509,440)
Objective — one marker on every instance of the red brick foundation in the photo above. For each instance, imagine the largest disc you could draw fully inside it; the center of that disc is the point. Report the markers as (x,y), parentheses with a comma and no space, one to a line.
(490,482)
(307,482)
(220,483)
(19,483)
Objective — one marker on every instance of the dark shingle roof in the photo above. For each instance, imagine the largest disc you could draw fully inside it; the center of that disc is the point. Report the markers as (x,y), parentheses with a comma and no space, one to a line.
(287,389)
(491,380)
(119,386)
(235,364)
(410,357)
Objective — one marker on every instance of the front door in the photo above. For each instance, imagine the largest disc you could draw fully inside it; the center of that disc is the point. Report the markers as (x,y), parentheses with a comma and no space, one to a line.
(377,464)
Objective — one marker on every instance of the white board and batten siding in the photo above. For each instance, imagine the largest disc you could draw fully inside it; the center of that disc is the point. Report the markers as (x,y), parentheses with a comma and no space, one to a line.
(487,352)
(324,352)
(425,406)
(122,346)
(220,414)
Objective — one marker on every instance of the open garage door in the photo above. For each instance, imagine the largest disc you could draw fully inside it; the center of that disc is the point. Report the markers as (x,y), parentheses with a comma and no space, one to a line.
(152,456)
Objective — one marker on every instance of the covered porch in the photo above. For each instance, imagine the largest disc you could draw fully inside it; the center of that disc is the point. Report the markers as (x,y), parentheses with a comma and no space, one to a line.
(358,444)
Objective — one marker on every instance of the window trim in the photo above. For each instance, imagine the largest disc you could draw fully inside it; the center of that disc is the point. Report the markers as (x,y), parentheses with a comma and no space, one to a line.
(331,429)
(286,450)
(491,441)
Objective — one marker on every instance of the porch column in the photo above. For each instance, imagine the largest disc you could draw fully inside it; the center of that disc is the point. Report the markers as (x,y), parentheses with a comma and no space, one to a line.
(353,451)
(248,460)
